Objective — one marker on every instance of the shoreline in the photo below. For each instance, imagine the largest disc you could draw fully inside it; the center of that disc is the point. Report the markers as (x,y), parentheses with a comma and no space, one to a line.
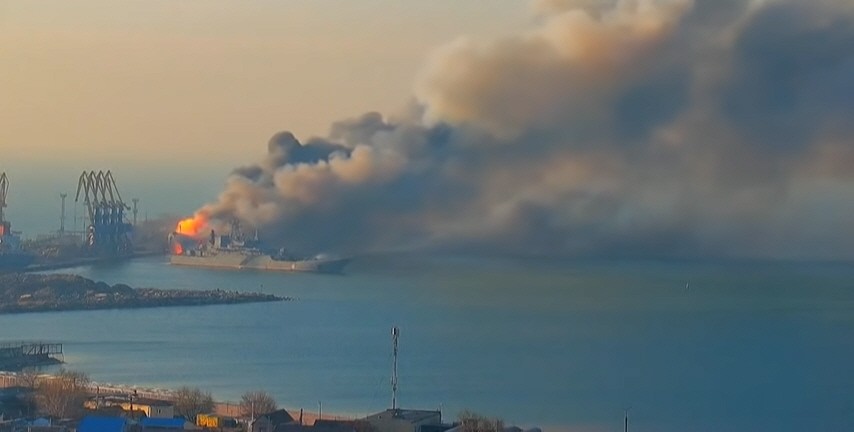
(28,292)
(78,262)
(72,308)
(221,407)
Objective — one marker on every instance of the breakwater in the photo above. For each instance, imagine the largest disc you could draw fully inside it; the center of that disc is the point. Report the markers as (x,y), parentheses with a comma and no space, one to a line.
(57,292)
(16,356)
(47,264)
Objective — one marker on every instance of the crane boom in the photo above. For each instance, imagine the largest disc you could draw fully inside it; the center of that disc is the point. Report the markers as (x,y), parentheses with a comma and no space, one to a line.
(4,190)
(107,231)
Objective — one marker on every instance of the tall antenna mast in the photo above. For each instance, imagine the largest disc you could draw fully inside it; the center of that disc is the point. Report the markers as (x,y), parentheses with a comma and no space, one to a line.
(135,209)
(395,333)
(62,214)
(626,419)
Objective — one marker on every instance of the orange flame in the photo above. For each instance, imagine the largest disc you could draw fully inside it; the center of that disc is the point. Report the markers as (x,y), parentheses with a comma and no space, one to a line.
(177,249)
(192,226)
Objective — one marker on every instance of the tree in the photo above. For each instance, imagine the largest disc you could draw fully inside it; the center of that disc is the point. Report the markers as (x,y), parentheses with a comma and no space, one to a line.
(255,403)
(473,422)
(190,402)
(62,395)
(29,379)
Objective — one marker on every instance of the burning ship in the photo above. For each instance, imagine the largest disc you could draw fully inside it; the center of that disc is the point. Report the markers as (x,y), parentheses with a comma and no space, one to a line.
(235,251)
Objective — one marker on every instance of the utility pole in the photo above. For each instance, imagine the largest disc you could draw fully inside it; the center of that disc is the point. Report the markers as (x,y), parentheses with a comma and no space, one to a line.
(319,410)
(252,414)
(132,397)
(62,214)
(395,333)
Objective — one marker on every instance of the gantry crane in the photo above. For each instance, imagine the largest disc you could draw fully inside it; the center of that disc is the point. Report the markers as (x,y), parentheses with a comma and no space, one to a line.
(5,227)
(4,189)
(108,233)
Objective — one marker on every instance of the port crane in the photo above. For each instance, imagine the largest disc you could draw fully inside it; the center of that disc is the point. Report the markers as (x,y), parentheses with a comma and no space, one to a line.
(108,232)
(4,190)
(5,227)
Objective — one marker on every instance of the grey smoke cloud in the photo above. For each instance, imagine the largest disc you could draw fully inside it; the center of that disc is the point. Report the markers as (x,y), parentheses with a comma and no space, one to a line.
(615,128)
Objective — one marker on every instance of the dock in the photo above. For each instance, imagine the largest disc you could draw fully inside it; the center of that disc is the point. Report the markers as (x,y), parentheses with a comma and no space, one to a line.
(18,355)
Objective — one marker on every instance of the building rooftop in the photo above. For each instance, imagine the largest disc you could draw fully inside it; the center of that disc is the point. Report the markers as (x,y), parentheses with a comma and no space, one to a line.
(278,417)
(151,402)
(123,398)
(101,424)
(162,423)
(412,416)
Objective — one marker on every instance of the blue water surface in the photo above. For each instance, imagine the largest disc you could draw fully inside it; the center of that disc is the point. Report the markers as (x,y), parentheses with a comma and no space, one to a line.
(565,345)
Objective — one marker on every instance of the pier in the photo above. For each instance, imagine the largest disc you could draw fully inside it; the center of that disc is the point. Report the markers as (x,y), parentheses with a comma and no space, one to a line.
(18,355)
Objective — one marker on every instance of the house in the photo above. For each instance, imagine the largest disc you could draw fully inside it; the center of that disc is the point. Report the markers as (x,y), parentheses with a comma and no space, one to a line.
(102,424)
(153,408)
(41,424)
(153,424)
(459,427)
(444,427)
(326,426)
(215,421)
(404,420)
(270,421)
(321,425)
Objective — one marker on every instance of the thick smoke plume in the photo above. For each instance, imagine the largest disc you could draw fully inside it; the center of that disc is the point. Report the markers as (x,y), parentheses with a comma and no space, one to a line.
(613,128)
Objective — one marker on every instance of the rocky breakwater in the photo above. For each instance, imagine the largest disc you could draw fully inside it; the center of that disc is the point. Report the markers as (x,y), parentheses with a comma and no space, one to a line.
(56,292)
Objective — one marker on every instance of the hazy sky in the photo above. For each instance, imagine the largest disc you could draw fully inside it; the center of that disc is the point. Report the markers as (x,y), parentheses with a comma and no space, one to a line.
(162,91)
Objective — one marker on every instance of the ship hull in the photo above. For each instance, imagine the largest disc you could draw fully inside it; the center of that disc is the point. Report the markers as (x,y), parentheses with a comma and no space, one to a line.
(259,262)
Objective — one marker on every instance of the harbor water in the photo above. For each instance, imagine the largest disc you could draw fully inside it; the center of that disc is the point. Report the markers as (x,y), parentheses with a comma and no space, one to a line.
(564,345)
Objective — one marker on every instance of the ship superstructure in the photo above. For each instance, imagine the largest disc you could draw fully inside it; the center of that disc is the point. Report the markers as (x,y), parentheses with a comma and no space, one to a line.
(235,251)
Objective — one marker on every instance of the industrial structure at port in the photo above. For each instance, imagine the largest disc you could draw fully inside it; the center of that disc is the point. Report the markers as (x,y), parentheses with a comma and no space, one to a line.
(108,233)
(16,356)
(235,251)
(11,254)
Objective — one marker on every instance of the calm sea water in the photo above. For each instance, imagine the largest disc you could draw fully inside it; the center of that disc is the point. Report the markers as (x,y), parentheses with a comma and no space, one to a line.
(563,345)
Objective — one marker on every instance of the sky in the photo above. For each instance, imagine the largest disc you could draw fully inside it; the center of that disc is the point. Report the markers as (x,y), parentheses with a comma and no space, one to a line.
(617,128)
(171,95)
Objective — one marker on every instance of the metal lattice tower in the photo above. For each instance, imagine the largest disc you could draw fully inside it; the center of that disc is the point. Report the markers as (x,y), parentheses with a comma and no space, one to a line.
(135,209)
(62,196)
(395,333)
